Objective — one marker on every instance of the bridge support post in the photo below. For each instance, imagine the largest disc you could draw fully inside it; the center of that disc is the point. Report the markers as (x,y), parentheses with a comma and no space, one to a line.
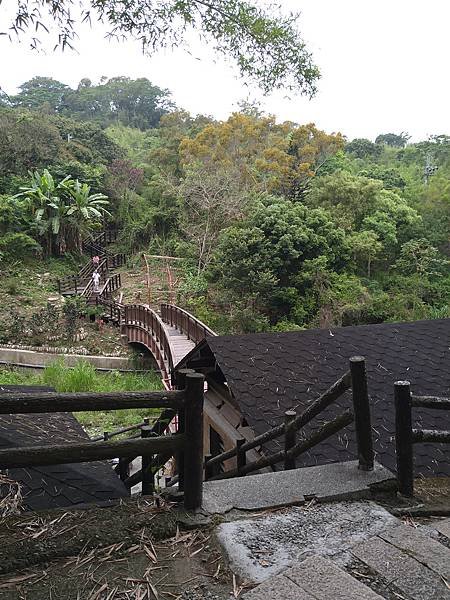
(148,481)
(193,465)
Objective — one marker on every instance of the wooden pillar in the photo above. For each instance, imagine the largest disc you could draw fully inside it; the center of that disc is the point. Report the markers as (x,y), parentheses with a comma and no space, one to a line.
(124,468)
(180,384)
(290,435)
(241,457)
(209,471)
(361,407)
(404,437)
(193,454)
(148,483)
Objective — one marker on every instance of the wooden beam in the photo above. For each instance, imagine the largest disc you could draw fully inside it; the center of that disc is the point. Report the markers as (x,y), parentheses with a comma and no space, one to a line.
(32,456)
(431,435)
(327,398)
(431,402)
(50,402)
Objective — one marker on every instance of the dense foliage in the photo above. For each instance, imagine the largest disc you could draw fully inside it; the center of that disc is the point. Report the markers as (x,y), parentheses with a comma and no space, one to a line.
(280,225)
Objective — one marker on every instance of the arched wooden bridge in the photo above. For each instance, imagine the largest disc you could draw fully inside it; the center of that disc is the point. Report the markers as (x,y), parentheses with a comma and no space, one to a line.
(169,336)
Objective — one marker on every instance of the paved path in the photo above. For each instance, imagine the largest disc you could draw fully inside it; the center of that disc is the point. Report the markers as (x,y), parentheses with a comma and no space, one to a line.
(401,561)
(180,344)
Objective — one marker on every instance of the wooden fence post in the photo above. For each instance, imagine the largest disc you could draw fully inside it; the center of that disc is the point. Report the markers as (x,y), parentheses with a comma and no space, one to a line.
(361,409)
(290,435)
(124,468)
(403,437)
(209,471)
(193,454)
(241,457)
(180,384)
(148,483)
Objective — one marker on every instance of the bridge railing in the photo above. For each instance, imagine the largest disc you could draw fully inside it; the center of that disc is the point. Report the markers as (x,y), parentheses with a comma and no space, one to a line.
(146,319)
(186,323)
(187,443)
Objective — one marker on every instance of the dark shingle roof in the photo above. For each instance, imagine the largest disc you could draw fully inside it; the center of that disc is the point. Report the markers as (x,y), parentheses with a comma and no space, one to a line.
(58,485)
(270,373)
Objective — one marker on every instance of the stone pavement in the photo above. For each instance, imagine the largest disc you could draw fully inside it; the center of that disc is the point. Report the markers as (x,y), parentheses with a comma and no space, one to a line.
(335,481)
(402,561)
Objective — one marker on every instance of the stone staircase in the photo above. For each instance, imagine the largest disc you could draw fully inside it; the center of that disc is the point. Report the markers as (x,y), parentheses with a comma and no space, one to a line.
(401,562)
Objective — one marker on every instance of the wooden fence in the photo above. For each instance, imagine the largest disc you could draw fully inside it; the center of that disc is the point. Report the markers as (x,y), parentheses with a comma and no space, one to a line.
(406,436)
(356,380)
(186,323)
(152,446)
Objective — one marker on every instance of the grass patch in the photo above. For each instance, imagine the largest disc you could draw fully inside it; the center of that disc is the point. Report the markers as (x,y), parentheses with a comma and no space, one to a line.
(84,378)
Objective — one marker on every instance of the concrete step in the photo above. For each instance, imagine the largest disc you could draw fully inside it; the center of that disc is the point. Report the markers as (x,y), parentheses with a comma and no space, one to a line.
(316,578)
(283,488)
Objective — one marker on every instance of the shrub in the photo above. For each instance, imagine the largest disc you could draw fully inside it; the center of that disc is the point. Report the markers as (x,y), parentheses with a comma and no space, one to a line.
(18,246)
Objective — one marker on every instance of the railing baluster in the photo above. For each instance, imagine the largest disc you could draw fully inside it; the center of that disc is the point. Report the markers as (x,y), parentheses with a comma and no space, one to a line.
(361,407)
(148,482)
(404,438)
(289,438)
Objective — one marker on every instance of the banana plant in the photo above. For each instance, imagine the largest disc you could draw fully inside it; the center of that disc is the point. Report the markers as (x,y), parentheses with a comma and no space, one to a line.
(85,210)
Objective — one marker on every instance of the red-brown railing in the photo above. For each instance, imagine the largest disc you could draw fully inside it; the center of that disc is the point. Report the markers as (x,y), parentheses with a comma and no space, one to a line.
(152,334)
(186,323)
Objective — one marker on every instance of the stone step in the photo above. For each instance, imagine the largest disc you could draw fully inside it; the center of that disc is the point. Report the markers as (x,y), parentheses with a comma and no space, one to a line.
(413,578)
(316,578)
(283,488)
(420,546)
(443,527)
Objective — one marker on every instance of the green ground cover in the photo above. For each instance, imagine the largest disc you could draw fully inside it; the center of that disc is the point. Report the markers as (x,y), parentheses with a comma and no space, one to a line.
(84,378)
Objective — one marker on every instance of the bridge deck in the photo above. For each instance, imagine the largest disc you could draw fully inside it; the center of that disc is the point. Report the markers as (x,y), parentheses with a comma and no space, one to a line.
(180,344)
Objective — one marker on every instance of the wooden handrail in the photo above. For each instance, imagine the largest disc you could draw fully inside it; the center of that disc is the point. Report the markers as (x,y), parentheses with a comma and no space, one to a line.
(30,456)
(185,322)
(153,450)
(328,397)
(326,431)
(42,402)
(145,318)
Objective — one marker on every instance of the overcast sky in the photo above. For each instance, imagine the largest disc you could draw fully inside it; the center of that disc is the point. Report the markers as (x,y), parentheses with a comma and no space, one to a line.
(384,64)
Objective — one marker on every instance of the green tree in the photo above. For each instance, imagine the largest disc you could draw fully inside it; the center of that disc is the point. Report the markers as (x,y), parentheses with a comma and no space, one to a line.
(40,91)
(266,45)
(363,148)
(421,257)
(83,211)
(132,102)
(365,247)
(393,139)
(27,141)
(262,259)
(62,211)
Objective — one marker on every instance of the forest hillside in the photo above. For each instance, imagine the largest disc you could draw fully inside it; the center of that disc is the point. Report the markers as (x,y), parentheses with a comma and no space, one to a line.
(280,225)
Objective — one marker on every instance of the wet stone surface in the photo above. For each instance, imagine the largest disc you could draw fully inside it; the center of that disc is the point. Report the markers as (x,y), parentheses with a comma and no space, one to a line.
(259,548)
